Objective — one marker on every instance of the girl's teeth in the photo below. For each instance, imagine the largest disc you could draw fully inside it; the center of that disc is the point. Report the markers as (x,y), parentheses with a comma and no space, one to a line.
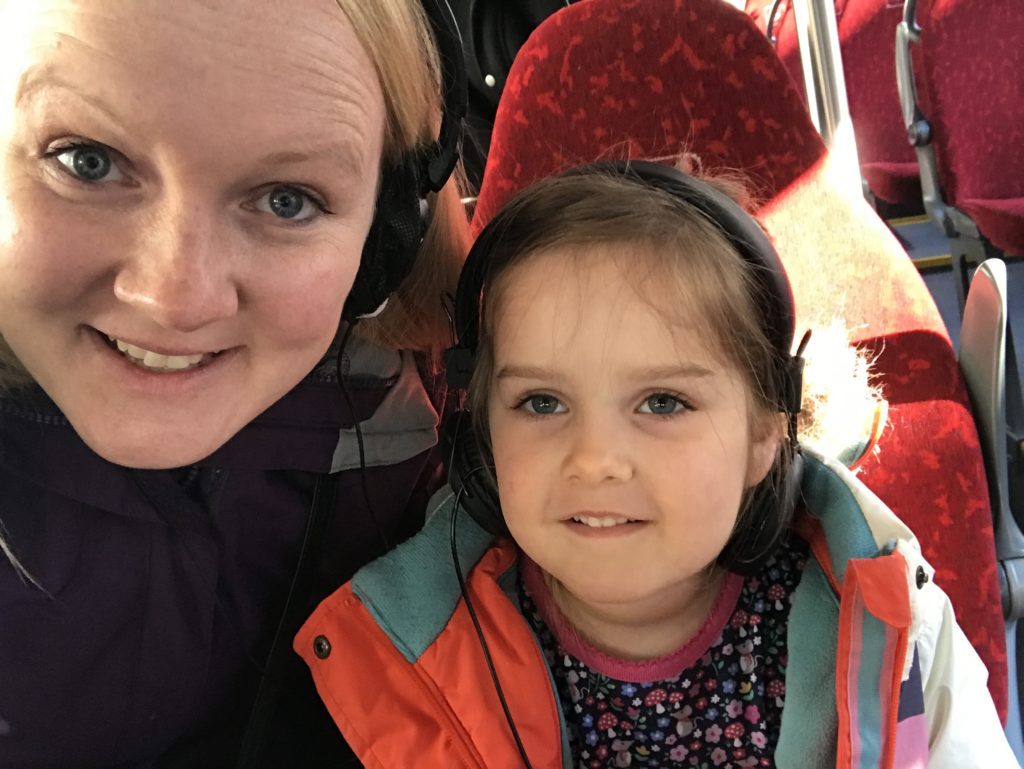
(602,522)
(156,361)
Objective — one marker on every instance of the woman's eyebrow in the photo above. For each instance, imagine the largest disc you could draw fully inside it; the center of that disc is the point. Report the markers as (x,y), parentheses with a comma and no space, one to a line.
(344,155)
(341,154)
(34,79)
(39,79)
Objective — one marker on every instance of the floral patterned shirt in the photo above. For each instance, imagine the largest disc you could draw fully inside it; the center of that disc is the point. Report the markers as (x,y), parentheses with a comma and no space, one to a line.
(715,703)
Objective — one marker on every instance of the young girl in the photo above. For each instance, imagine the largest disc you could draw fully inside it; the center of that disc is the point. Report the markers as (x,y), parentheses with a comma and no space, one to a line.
(687,585)
(192,196)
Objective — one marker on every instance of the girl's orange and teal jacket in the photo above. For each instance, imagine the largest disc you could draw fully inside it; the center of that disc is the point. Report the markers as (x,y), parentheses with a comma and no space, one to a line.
(879,673)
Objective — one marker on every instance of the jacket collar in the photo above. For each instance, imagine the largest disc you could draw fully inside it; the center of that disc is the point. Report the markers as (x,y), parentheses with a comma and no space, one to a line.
(859,545)
(309,429)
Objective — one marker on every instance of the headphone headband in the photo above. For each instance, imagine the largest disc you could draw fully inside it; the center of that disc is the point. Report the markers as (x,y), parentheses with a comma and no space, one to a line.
(775,300)
(454,93)
(770,506)
(403,212)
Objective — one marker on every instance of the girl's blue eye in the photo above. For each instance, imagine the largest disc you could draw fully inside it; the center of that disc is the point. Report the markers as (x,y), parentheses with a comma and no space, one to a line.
(290,203)
(661,404)
(90,163)
(542,404)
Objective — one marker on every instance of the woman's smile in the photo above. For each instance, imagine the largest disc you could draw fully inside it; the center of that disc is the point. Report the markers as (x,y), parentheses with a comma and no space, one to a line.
(175,258)
(151,358)
(144,373)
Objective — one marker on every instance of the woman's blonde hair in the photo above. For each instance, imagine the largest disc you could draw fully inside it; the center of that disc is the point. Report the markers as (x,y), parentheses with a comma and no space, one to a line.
(396,35)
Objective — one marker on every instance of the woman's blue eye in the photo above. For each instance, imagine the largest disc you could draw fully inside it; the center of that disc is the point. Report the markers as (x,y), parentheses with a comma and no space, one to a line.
(542,404)
(290,203)
(88,162)
(286,203)
(661,404)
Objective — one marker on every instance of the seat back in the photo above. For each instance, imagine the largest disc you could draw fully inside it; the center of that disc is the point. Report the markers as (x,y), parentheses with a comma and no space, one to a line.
(650,79)
(867,33)
(969,82)
(988,362)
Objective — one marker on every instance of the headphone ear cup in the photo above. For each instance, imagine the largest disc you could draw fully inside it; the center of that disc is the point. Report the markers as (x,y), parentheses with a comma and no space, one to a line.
(767,516)
(399,224)
(471,473)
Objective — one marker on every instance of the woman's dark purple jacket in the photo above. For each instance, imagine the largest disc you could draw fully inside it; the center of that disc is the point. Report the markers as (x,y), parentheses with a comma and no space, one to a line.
(163,589)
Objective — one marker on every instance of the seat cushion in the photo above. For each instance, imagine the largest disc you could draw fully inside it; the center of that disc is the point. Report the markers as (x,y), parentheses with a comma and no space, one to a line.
(893,182)
(1001,221)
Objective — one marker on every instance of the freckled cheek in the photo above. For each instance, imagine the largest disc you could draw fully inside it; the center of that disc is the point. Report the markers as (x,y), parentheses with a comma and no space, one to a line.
(51,259)
(715,507)
(511,461)
(698,476)
(521,495)
(527,483)
(304,304)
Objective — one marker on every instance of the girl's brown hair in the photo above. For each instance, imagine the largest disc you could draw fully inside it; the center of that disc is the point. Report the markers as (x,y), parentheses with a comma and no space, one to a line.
(682,263)
(686,267)
(678,260)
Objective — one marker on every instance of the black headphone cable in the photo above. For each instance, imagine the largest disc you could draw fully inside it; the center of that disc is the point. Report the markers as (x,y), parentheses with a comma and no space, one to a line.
(324,502)
(359,438)
(480,633)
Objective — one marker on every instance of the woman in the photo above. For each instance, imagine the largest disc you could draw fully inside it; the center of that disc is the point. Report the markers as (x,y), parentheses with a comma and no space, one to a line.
(189,190)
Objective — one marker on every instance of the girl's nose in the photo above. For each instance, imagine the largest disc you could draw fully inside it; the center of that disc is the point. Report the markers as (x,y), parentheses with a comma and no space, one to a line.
(597,454)
(180,275)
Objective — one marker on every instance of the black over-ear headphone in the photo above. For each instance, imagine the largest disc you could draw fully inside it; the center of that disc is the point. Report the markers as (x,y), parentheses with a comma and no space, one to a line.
(770,509)
(402,212)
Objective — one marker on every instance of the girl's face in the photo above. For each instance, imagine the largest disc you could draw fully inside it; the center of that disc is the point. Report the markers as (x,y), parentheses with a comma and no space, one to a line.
(185,188)
(622,445)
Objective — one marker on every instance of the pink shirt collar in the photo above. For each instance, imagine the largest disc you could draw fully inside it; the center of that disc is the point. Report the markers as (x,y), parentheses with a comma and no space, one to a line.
(633,671)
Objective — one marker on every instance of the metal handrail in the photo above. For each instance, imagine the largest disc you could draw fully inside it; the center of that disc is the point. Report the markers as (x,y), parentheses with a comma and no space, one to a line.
(919,130)
(824,81)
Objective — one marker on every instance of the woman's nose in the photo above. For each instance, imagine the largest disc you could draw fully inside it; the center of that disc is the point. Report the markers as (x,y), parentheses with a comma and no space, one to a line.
(180,274)
(597,452)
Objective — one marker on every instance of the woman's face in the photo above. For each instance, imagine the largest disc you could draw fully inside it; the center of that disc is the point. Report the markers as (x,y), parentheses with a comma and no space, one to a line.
(185,188)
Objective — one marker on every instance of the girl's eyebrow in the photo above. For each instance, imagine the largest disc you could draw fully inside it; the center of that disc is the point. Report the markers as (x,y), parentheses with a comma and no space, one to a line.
(675,371)
(525,372)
